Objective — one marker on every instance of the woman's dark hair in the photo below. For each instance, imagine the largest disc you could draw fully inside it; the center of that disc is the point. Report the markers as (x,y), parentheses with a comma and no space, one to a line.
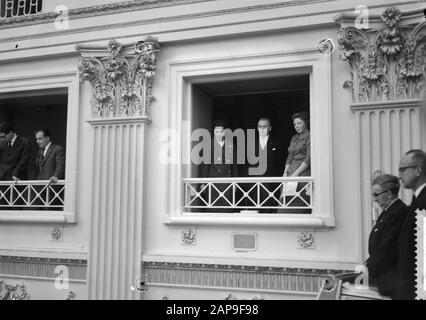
(301,115)
(387,182)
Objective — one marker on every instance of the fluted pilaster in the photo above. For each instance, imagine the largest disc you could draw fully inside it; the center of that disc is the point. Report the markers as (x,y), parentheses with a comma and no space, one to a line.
(385,132)
(117,198)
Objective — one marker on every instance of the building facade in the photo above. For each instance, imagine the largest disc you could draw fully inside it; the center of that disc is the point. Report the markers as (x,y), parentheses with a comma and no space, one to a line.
(122,85)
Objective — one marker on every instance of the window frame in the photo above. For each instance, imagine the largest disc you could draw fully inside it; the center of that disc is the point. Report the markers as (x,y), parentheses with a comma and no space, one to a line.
(68,81)
(182,75)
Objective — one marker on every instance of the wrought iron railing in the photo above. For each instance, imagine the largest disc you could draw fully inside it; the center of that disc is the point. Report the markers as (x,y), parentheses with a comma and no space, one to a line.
(32,194)
(249,193)
(17,8)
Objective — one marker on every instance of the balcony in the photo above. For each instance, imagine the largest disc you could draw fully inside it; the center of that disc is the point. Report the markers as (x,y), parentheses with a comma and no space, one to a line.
(32,195)
(282,195)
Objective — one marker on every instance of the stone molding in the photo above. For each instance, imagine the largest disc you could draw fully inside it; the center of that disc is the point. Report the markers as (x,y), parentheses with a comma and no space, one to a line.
(237,276)
(22,267)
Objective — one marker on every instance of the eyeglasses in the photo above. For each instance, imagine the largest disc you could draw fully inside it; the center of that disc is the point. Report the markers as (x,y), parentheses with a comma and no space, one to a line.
(400,169)
(375,195)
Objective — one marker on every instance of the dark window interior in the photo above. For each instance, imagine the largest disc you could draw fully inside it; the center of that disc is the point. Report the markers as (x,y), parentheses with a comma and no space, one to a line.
(29,111)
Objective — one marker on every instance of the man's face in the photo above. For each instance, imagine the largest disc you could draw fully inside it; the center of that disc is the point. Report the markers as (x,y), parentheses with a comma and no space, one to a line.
(409,172)
(2,136)
(218,133)
(381,196)
(264,128)
(41,140)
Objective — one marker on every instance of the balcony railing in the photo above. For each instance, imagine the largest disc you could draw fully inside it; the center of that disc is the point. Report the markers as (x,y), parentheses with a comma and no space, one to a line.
(248,193)
(32,194)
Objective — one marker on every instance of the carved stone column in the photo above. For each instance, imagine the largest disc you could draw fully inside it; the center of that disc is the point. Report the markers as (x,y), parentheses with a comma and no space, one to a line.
(120,113)
(387,66)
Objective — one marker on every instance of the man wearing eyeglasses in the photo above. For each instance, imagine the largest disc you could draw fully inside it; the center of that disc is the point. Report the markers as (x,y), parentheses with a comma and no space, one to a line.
(412,173)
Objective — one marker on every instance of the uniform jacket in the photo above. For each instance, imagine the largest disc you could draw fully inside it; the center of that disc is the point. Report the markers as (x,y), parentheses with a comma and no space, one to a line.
(223,161)
(53,164)
(14,159)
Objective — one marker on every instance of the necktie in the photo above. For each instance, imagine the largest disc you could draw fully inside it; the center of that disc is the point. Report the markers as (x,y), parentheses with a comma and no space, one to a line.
(42,154)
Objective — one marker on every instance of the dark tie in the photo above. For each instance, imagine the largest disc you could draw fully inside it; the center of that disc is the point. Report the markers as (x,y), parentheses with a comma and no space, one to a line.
(42,154)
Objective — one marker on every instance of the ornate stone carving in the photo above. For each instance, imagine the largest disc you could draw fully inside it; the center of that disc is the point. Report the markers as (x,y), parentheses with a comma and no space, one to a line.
(17,292)
(188,237)
(56,234)
(388,64)
(305,240)
(122,84)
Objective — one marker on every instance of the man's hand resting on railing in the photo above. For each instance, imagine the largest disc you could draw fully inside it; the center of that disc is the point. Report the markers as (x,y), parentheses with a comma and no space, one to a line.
(53,180)
(16,179)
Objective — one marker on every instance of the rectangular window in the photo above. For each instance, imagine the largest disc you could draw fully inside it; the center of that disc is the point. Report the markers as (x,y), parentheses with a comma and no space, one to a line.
(28,103)
(242,90)
(251,180)
(25,169)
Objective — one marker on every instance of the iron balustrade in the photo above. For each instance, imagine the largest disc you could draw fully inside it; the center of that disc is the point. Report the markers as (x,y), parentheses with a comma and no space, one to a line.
(249,193)
(32,194)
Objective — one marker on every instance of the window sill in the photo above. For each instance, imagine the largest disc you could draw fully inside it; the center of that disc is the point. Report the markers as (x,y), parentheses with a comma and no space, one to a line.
(34,217)
(250,220)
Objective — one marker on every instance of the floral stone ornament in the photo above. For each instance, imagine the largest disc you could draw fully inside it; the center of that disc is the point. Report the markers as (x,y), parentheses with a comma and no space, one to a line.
(188,237)
(121,82)
(386,64)
(305,240)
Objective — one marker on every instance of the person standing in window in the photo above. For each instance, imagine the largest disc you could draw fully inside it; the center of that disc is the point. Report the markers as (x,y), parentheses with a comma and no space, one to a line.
(298,162)
(221,163)
(50,162)
(14,154)
(268,150)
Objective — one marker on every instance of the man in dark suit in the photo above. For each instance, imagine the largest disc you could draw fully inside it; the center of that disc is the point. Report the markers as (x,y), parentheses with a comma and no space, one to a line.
(412,173)
(14,154)
(50,162)
(269,152)
(383,238)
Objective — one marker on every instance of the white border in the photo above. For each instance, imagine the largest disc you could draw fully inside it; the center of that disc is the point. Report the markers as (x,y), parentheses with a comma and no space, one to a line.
(70,81)
(421,255)
(181,75)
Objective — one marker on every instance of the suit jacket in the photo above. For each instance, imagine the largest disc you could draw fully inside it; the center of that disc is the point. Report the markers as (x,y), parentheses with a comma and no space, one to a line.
(272,155)
(53,164)
(384,238)
(223,161)
(401,279)
(14,160)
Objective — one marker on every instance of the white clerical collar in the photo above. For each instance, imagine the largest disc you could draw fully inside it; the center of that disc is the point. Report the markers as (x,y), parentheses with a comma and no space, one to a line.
(13,140)
(419,189)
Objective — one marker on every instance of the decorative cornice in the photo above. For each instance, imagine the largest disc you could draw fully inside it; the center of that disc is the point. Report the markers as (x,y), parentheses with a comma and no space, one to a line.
(237,276)
(388,64)
(41,267)
(134,5)
(122,84)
